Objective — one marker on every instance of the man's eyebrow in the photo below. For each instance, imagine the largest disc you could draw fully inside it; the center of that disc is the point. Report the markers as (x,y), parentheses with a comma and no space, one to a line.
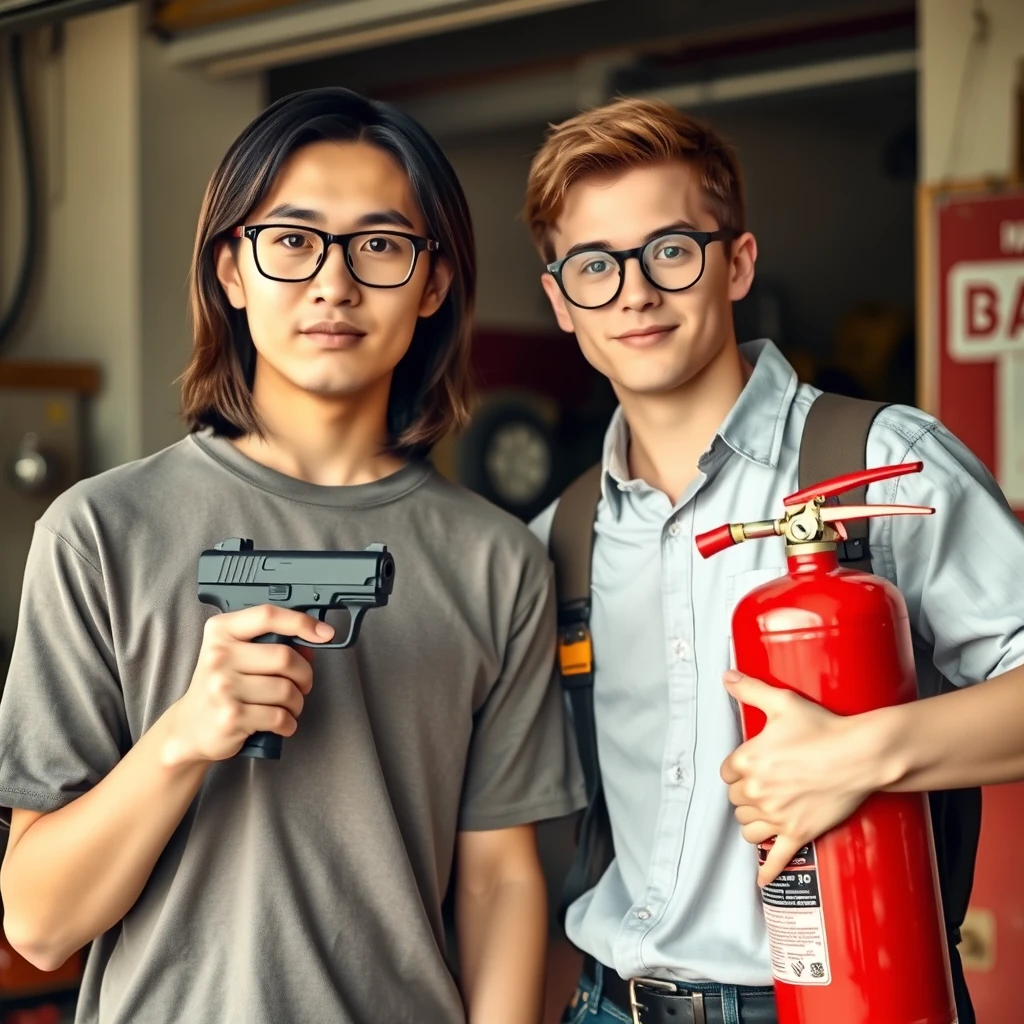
(601,244)
(392,217)
(296,213)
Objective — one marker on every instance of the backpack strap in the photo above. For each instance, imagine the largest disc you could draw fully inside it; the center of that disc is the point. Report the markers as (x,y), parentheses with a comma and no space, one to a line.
(571,546)
(835,441)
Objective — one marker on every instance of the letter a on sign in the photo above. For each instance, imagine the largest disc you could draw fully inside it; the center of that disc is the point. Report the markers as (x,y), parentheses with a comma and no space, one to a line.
(986,304)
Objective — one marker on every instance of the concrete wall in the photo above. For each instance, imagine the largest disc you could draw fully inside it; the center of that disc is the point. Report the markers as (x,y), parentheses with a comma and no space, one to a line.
(126,146)
(978,141)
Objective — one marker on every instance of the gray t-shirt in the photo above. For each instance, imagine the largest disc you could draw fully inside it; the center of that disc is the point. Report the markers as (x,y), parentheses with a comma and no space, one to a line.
(310,888)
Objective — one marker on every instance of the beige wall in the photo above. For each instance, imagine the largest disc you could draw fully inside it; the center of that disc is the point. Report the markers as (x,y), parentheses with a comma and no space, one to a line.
(86,307)
(984,141)
(126,146)
(189,122)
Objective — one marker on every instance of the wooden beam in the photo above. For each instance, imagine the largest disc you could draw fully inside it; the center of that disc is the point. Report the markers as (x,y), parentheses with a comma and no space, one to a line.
(682,50)
(82,378)
(170,16)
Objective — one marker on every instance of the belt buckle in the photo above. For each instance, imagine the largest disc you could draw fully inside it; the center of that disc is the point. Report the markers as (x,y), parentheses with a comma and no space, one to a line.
(635,1006)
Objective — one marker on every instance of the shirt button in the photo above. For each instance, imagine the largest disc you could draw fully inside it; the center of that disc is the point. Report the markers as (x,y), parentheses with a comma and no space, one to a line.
(680,649)
(676,774)
(643,913)
(674,528)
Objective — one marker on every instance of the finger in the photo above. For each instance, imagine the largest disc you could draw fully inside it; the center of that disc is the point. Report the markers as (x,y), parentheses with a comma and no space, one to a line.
(739,795)
(729,772)
(769,699)
(745,814)
(272,660)
(249,623)
(262,718)
(781,853)
(757,831)
(270,691)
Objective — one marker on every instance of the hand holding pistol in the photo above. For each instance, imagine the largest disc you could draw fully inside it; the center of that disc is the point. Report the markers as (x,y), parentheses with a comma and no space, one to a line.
(251,680)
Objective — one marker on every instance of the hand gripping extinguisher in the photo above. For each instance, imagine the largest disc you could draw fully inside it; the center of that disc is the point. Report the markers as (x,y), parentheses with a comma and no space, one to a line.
(855,923)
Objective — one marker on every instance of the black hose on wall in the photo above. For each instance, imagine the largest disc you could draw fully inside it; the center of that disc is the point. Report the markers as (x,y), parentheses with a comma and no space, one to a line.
(23,285)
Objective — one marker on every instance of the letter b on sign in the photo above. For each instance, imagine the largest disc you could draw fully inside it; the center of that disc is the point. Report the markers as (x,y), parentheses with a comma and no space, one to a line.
(986,310)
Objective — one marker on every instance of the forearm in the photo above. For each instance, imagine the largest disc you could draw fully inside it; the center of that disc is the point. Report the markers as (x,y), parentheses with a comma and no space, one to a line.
(502,938)
(972,737)
(76,872)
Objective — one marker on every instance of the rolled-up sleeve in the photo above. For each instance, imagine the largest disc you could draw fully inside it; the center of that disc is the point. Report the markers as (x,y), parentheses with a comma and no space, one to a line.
(961,570)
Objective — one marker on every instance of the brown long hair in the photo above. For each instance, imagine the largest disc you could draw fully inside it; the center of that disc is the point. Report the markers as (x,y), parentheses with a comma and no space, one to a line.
(430,388)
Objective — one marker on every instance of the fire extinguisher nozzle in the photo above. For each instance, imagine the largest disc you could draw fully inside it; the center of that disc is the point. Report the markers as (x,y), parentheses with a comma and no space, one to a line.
(713,541)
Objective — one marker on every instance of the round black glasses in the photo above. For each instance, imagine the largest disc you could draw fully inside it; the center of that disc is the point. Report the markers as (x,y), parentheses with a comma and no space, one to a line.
(672,262)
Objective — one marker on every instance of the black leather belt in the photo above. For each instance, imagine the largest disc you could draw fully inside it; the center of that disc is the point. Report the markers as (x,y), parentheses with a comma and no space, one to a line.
(650,1001)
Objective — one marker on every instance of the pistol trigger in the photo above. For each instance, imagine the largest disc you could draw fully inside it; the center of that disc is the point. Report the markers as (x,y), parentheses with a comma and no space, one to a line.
(322,614)
(357,614)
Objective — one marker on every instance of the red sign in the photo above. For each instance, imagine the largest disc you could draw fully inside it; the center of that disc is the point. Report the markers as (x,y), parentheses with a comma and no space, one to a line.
(975,386)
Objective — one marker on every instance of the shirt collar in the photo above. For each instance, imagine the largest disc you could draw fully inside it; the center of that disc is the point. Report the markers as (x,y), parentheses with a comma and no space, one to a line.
(753,429)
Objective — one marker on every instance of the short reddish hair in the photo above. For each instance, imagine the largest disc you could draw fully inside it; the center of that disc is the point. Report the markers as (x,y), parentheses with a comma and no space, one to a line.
(622,136)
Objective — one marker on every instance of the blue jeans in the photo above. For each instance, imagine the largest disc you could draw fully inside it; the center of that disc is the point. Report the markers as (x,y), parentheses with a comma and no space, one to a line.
(589,1007)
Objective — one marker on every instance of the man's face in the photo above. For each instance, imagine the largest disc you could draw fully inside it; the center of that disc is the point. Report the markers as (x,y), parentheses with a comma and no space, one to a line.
(332,335)
(649,341)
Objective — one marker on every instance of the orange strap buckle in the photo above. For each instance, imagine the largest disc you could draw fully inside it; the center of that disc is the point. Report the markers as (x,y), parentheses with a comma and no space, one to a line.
(575,653)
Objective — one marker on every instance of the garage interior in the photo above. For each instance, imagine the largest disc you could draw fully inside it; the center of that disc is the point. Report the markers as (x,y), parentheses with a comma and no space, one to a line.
(828,104)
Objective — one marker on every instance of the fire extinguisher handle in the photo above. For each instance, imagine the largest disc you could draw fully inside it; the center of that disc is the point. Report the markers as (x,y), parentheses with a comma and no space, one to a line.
(713,541)
(842,513)
(840,484)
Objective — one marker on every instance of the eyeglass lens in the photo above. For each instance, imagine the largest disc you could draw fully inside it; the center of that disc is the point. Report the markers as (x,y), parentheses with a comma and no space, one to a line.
(375,258)
(592,278)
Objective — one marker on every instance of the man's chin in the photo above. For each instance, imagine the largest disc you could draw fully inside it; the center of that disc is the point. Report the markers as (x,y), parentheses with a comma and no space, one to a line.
(646,384)
(329,387)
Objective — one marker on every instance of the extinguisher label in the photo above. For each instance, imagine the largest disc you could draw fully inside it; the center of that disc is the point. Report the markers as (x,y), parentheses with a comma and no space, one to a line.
(796,924)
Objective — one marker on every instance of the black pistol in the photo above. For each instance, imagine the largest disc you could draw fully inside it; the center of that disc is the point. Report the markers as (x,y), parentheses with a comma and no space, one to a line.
(234,576)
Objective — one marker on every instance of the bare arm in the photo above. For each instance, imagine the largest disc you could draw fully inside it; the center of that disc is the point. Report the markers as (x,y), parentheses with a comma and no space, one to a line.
(501,924)
(971,737)
(71,874)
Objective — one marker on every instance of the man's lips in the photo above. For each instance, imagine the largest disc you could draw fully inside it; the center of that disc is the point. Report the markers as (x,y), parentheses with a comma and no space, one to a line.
(333,334)
(641,336)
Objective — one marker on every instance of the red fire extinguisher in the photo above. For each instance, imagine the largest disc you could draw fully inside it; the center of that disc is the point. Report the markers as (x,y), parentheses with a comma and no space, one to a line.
(855,923)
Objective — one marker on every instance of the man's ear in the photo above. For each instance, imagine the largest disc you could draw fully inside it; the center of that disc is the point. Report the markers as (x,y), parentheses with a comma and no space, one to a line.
(741,266)
(557,300)
(228,275)
(437,287)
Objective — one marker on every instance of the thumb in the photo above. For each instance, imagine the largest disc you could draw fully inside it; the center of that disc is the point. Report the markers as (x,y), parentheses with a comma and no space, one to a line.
(753,692)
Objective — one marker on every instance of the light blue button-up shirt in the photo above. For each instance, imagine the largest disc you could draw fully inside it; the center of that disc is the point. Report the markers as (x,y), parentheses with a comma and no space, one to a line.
(680,900)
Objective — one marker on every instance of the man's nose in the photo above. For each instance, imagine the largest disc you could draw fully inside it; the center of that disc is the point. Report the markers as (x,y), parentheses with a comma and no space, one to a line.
(637,292)
(334,280)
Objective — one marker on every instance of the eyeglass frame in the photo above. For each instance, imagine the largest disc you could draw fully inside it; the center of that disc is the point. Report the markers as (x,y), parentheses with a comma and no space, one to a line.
(702,238)
(419,243)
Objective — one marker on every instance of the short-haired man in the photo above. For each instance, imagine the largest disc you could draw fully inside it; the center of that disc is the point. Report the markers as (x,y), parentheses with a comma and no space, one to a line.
(638,213)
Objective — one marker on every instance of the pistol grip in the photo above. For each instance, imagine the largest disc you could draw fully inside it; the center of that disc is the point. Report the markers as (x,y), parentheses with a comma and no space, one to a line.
(266,745)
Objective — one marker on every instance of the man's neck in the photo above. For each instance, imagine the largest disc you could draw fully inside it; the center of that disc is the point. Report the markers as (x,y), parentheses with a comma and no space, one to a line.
(669,432)
(321,439)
